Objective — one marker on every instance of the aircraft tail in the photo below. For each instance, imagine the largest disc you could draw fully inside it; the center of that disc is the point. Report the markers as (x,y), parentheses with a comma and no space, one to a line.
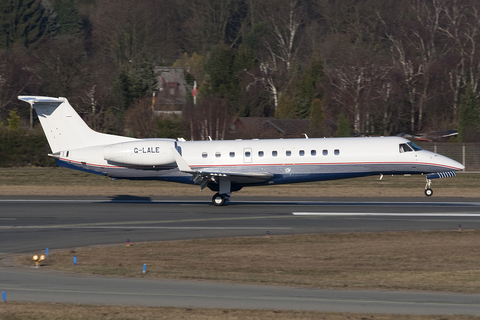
(64,128)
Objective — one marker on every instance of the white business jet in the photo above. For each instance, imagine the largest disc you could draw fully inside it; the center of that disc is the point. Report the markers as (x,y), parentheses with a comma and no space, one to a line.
(227,166)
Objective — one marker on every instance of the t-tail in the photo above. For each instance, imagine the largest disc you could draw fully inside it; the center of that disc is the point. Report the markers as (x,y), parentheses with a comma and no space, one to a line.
(63,127)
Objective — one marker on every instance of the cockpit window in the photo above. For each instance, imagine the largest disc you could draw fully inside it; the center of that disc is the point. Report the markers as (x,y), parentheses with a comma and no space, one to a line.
(404,148)
(414,146)
(408,147)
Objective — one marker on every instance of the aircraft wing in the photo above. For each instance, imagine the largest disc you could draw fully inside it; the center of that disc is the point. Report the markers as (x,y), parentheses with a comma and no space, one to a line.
(202,178)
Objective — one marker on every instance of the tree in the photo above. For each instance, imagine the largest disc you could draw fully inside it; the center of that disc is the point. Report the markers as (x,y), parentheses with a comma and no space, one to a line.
(26,22)
(279,44)
(287,108)
(462,29)
(469,117)
(16,77)
(206,23)
(68,18)
(138,81)
(316,128)
(309,88)
(343,129)
(13,121)
(220,68)
(209,118)
(139,120)
(128,31)
(63,66)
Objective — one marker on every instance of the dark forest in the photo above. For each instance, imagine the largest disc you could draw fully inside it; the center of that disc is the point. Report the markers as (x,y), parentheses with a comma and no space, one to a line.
(374,67)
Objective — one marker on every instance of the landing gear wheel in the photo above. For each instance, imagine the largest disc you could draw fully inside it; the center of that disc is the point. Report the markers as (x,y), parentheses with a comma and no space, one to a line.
(219,199)
(428,192)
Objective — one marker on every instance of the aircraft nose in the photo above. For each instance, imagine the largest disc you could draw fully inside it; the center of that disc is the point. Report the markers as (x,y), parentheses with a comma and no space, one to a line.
(455,165)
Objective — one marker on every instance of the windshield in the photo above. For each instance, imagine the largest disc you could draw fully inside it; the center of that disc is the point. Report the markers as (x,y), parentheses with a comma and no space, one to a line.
(414,146)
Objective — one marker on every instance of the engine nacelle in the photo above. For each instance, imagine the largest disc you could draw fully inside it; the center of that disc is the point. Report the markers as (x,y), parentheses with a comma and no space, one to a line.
(147,152)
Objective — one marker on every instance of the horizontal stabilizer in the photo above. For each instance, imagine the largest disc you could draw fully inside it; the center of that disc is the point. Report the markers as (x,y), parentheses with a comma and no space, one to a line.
(440,175)
(37,99)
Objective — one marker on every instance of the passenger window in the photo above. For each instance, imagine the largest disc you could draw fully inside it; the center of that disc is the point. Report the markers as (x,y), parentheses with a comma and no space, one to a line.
(218,154)
(288,153)
(260,153)
(274,153)
(325,152)
(204,155)
(336,152)
(301,153)
(247,154)
(232,154)
(313,152)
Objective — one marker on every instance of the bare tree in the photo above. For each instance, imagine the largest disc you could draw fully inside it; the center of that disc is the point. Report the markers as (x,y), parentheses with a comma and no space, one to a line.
(414,50)
(130,30)
(205,22)
(280,43)
(352,85)
(16,77)
(209,118)
(139,119)
(462,28)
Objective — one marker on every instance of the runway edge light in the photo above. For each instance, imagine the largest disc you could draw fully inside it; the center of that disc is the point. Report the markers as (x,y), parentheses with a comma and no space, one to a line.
(37,259)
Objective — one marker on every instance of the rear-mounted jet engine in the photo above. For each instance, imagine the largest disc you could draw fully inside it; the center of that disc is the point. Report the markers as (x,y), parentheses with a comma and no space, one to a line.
(148,152)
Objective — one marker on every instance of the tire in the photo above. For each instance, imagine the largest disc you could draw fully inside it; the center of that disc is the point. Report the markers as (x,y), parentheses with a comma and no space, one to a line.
(218,200)
(428,192)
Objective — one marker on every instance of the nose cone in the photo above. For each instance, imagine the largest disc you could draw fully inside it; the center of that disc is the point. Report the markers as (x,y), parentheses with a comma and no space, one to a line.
(450,163)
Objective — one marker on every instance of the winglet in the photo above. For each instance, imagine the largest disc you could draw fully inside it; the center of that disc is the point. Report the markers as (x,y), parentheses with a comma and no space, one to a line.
(181,163)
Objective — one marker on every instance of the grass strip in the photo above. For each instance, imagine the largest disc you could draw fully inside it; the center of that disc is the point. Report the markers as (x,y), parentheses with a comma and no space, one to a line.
(61,311)
(418,260)
(64,182)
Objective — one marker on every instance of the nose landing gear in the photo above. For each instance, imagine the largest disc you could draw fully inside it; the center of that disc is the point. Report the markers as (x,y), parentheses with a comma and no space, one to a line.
(428,190)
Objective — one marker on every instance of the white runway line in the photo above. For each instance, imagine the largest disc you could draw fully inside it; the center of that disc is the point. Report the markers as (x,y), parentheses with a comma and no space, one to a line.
(386,214)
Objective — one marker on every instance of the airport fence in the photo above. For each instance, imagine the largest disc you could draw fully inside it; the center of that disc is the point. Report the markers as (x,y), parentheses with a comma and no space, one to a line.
(467,154)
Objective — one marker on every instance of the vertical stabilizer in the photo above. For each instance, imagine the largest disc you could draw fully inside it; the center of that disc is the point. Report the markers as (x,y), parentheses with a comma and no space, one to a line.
(63,127)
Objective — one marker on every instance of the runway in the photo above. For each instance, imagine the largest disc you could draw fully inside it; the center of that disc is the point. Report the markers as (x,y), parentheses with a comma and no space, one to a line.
(30,224)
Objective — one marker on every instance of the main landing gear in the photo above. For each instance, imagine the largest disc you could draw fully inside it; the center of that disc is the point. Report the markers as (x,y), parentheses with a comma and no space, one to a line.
(224,191)
(220,199)
(428,190)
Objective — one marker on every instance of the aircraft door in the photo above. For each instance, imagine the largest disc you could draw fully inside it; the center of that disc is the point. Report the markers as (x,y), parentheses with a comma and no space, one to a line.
(247,155)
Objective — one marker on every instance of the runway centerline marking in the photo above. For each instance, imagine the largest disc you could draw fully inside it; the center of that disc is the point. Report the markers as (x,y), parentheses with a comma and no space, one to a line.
(378,214)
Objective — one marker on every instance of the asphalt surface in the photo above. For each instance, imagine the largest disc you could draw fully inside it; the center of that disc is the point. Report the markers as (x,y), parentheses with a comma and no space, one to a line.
(31,224)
